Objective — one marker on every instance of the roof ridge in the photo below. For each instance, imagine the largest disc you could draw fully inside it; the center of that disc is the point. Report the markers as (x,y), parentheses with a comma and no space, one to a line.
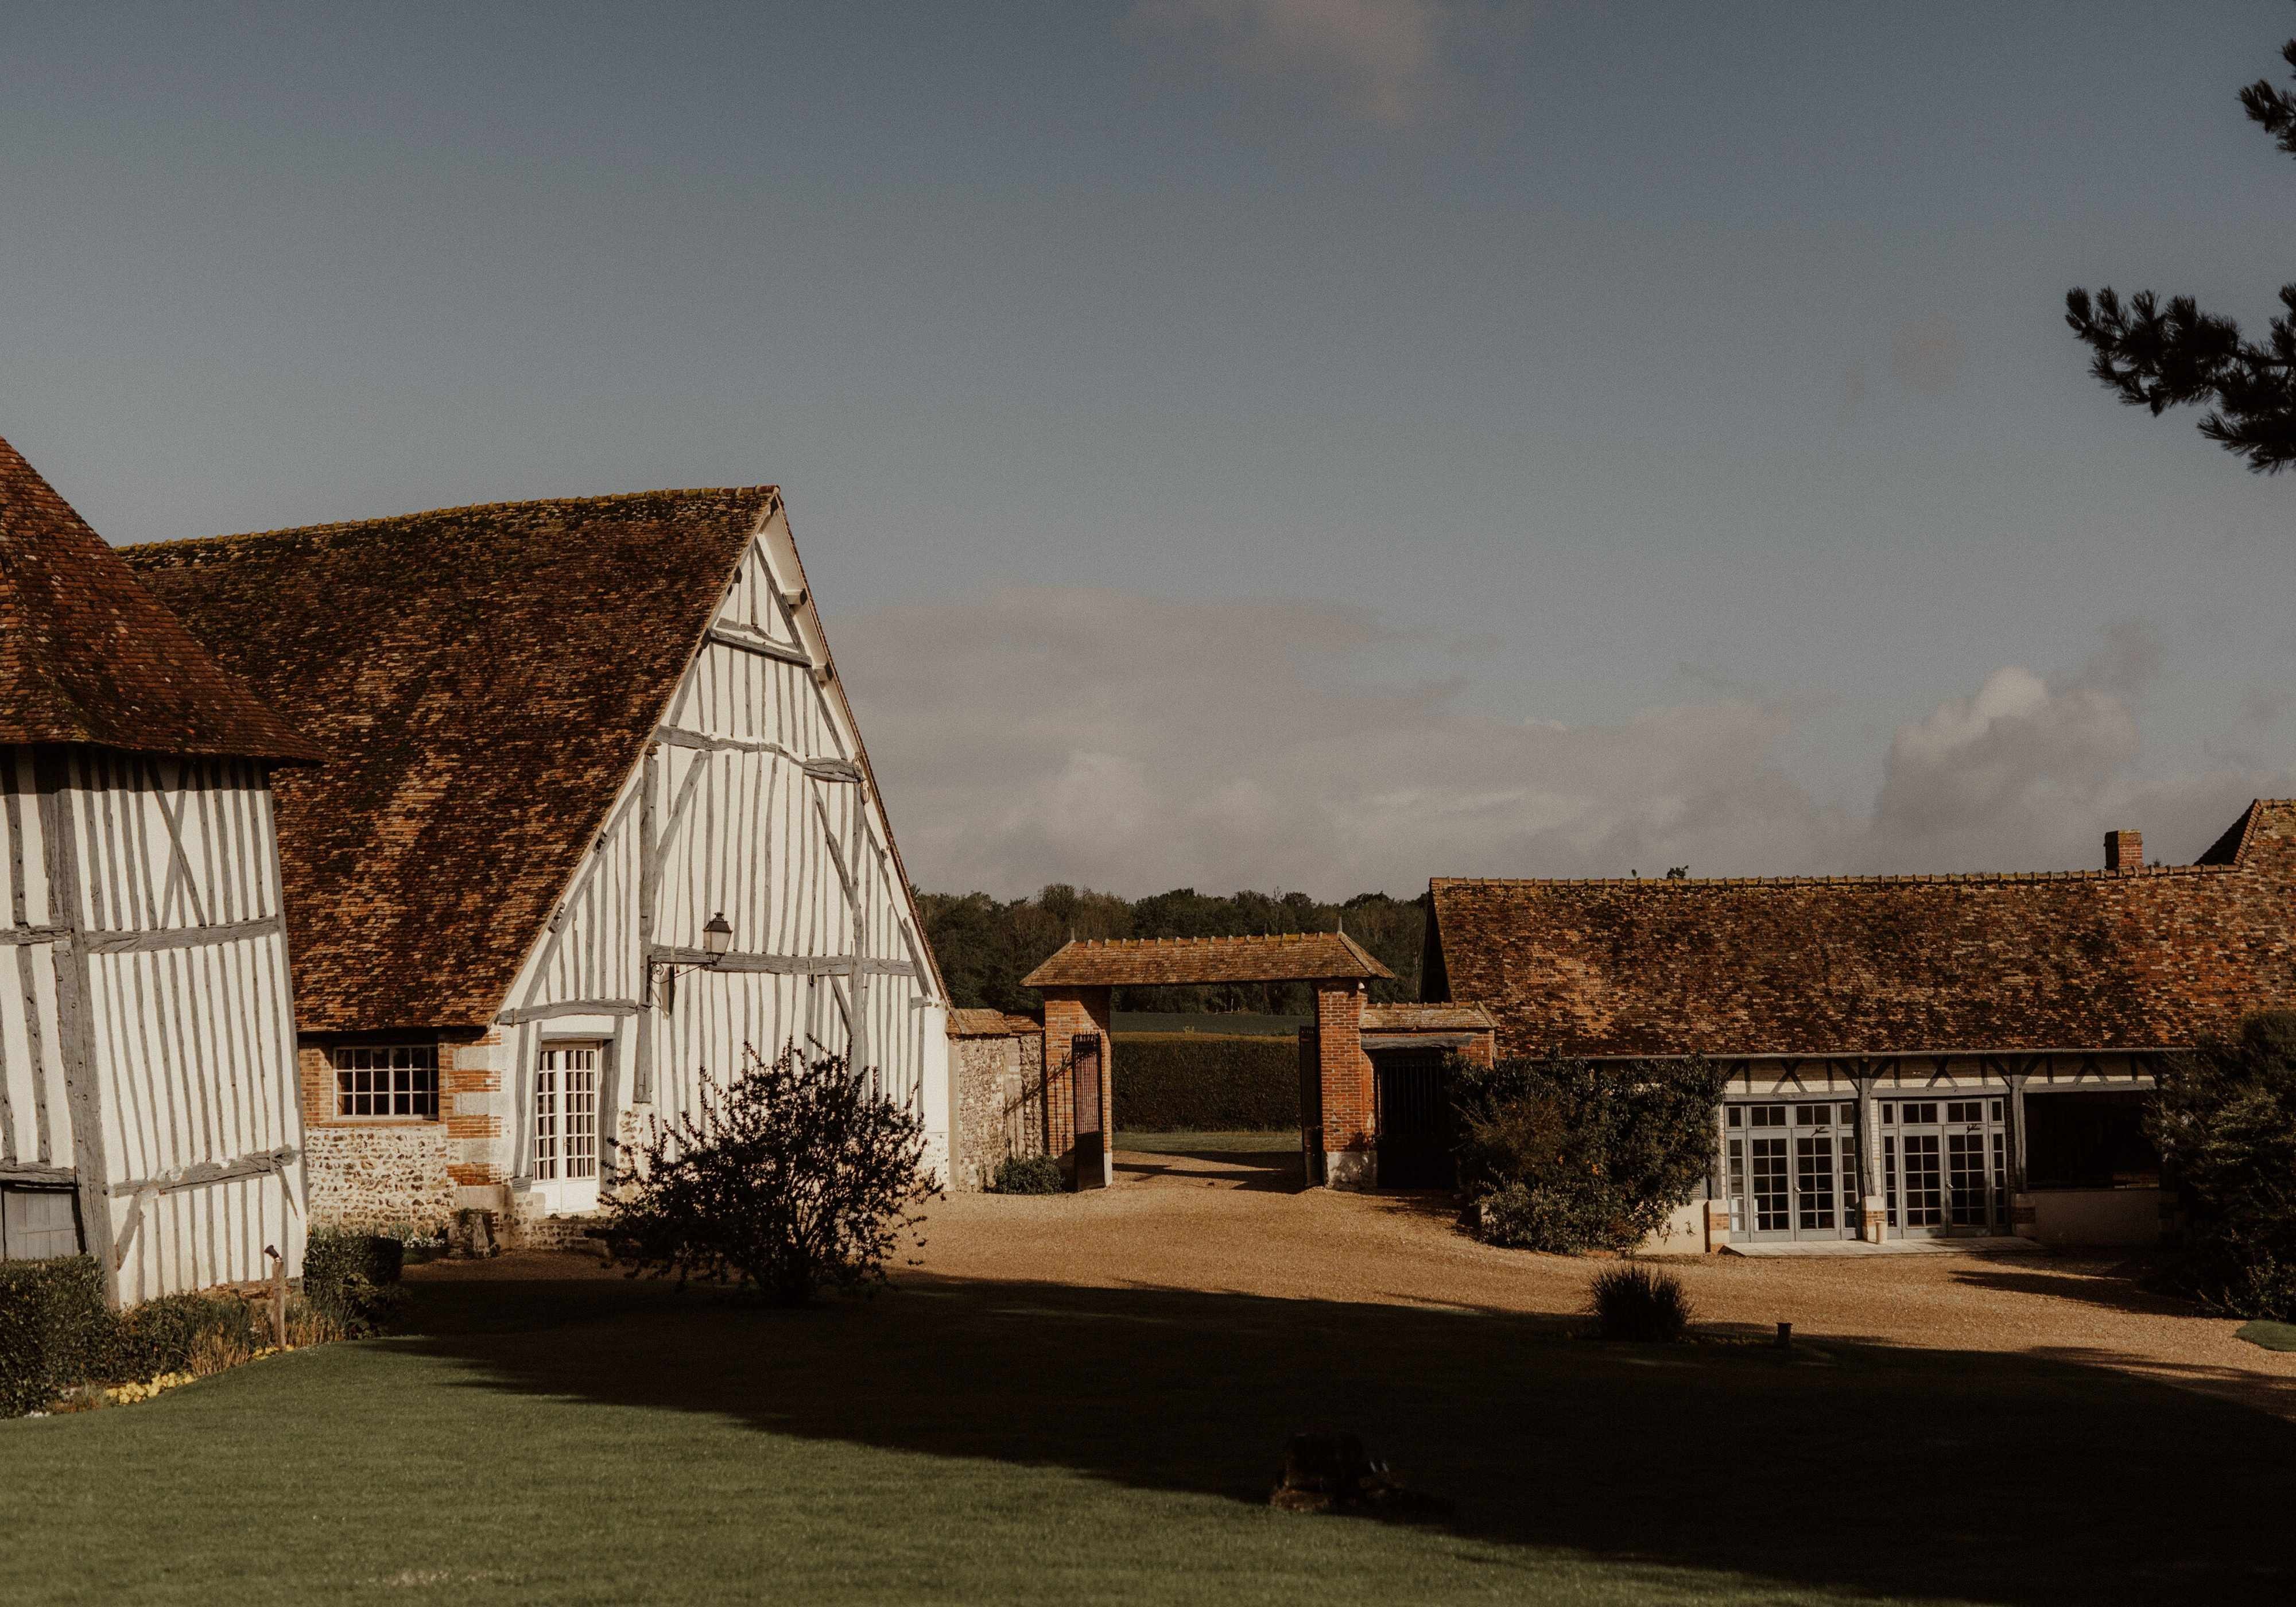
(461,510)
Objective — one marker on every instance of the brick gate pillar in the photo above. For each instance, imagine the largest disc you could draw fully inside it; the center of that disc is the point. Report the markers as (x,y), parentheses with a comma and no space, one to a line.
(1070,1013)
(1351,1114)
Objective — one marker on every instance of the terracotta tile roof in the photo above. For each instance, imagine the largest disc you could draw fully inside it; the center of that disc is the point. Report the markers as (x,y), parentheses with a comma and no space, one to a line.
(1157,962)
(1878,964)
(1427,1018)
(87,655)
(485,677)
(990,1023)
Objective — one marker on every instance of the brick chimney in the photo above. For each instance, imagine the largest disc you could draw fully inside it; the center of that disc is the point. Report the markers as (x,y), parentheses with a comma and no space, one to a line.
(2124,850)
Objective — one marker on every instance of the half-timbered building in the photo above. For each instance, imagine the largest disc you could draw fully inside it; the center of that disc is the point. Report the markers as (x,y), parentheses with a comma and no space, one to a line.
(1909,1056)
(597,819)
(148,1113)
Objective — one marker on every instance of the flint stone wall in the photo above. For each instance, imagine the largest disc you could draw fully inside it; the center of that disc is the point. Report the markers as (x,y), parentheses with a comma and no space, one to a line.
(1000,1104)
(370,1178)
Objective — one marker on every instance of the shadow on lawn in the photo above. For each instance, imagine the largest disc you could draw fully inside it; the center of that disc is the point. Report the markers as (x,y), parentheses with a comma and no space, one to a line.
(1249,1171)
(1902,1472)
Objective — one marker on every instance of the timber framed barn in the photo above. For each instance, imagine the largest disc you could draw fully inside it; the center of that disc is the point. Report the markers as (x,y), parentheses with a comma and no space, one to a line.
(1909,1056)
(147,1046)
(597,817)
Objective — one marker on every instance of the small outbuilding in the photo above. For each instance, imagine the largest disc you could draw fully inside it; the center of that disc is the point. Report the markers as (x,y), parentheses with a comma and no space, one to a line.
(148,1113)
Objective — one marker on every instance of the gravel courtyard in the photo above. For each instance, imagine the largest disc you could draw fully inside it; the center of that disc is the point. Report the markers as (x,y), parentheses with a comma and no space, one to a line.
(1236,1223)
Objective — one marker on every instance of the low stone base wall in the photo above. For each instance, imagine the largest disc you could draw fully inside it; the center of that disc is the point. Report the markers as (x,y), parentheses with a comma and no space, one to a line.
(371,1177)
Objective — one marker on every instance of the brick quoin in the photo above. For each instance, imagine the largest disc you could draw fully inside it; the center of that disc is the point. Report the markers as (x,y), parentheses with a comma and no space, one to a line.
(1069,1014)
(1351,1112)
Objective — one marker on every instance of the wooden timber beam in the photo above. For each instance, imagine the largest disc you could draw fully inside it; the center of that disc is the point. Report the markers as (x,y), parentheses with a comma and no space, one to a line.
(205,1172)
(179,937)
(786,965)
(12,935)
(742,638)
(75,1007)
(524,1013)
(18,1171)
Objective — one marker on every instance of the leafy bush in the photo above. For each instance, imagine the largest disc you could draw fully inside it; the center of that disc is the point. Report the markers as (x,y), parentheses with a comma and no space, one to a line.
(1564,1156)
(1639,1303)
(796,1178)
(2225,1118)
(352,1279)
(1195,1083)
(1026,1174)
(171,1333)
(55,1331)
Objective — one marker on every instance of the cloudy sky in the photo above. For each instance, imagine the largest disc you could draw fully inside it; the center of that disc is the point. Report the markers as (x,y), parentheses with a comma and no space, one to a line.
(1287,443)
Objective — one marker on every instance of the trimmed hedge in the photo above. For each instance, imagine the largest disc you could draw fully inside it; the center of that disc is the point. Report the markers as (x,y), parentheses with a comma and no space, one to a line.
(1026,1174)
(55,1330)
(353,1278)
(1192,1082)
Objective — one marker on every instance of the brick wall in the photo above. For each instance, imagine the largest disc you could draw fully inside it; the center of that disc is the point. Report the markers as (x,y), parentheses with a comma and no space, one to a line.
(1349,1097)
(1070,1013)
(374,1173)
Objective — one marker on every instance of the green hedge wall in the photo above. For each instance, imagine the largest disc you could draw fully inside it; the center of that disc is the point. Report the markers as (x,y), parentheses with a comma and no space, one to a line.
(1192,1082)
(54,1330)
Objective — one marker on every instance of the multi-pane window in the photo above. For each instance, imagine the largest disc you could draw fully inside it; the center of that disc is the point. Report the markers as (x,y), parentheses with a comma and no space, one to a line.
(566,1115)
(387,1080)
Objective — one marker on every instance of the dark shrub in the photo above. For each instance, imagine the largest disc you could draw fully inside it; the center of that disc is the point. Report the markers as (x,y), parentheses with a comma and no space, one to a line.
(352,1279)
(1633,1302)
(166,1334)
(2225,1119)
(1026,1174)
(795,1177)
(1564,1156)
(55,1331)
(1193,1082)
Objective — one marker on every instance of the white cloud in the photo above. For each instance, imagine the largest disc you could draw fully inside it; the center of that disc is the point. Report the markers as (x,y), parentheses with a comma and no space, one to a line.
(1138,743)
(1381,60)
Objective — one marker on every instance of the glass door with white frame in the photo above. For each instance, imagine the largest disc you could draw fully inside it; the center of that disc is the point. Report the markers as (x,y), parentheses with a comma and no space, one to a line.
(566,1128)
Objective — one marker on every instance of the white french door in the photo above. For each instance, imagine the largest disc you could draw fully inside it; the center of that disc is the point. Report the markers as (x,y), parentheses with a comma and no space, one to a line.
(566,1128)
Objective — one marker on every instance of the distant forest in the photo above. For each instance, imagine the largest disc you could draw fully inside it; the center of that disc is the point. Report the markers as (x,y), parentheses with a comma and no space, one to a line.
(985,947)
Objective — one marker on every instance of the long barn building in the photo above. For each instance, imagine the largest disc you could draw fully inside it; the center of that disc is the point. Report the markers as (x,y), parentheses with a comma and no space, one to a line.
(148,1110)
(572,743)
(1909,1056)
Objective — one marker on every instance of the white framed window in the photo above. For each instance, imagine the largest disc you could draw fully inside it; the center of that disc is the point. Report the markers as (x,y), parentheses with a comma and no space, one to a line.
(566,1127)
(387,1080)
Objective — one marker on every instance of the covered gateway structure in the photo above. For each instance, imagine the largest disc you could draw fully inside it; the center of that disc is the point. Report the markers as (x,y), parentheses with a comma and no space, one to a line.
(147,1101)
(1909,1056)
(1368,1074)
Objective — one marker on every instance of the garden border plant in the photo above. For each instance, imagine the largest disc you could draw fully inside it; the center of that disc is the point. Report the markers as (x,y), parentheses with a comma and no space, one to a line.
(1571,1155)
(796,1176)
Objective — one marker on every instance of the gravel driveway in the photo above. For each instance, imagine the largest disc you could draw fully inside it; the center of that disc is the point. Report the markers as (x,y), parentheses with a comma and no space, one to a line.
(1239,1224)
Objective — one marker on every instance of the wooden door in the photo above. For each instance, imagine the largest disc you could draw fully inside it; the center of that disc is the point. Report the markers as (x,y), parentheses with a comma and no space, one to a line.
(1091,1154)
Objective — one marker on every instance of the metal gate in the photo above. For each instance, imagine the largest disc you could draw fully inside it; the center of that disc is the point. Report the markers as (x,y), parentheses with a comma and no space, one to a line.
(1083,1063)
(1414,1119)
(1944,1166)
(1792,1170)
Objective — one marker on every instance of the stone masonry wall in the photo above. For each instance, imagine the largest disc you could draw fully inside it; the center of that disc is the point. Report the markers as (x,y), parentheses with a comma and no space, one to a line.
(1000,1104)
(375,1175)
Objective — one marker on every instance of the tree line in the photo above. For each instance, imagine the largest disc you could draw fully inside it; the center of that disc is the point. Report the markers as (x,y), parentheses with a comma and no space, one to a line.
(986,946)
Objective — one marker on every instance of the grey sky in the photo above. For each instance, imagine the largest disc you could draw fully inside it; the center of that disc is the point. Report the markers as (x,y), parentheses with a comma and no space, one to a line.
(1476,439)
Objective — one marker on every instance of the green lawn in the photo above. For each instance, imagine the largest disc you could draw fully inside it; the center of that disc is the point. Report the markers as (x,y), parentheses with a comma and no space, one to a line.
(1286,1142)
(597,1442)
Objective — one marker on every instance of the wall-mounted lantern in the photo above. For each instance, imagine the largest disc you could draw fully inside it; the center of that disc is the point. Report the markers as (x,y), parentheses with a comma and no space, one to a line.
(717,943)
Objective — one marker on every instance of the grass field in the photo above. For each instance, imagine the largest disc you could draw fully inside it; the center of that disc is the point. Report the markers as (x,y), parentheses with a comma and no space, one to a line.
(588,1441)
